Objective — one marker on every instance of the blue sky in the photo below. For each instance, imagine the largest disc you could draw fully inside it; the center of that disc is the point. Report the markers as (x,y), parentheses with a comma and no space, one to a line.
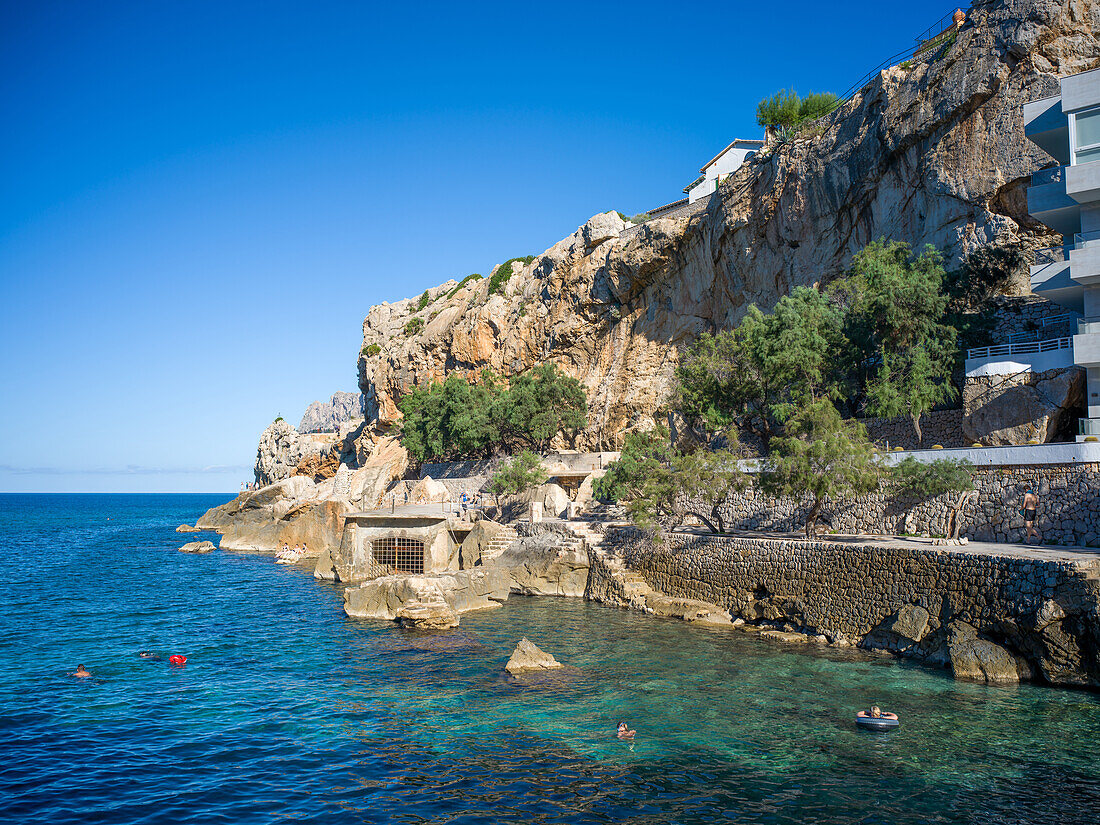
(200,201)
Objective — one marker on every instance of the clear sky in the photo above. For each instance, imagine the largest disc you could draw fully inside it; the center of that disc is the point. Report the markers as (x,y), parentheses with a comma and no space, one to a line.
(200,201)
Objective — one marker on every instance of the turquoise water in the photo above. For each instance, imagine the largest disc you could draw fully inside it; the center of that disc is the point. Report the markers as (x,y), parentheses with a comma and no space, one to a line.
(287,711)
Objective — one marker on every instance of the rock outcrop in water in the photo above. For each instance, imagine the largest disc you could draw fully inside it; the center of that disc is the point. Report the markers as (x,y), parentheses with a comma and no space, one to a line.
(527,658)
(932,154)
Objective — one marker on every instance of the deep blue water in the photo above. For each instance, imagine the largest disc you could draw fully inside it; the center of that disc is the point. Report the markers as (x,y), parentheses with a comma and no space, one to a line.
(287,711)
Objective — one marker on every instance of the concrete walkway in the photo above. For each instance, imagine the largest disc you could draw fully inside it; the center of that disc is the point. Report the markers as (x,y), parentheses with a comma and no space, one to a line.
(976,548)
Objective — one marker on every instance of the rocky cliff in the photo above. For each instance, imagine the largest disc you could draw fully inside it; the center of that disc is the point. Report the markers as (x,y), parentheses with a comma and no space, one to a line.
(927,152)
(327,416)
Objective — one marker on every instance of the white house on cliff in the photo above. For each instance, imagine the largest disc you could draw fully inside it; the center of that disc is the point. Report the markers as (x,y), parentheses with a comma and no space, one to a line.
(720,166)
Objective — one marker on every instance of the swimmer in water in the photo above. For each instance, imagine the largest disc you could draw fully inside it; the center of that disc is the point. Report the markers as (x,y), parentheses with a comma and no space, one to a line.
(875,713)
(145,654)
(624,732)
(81,672)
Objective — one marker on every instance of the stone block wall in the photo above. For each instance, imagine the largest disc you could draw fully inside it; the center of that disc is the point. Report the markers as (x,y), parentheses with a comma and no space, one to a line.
(917,602)
(943,427)
(1069,510)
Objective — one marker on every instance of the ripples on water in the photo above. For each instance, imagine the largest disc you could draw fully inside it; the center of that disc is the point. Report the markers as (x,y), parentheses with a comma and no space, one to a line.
(288,712)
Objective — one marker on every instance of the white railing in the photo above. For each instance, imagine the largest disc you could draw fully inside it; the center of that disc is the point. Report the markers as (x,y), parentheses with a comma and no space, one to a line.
(1028,348)
(1036,334)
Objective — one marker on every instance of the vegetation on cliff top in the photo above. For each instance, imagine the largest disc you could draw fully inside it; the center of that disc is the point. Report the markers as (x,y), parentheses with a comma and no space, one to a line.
(459,419)
(504,272)
(786,110)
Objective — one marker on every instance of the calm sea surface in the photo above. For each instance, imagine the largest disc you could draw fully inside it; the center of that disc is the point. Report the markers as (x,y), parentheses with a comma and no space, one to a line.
(287,711)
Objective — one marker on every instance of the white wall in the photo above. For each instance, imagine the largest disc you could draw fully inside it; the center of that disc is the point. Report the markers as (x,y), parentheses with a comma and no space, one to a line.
(722,167)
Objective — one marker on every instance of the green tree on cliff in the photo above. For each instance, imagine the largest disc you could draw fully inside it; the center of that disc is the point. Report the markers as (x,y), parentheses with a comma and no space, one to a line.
(517,475)
(896,320)
(451,419)
(822,456)
(786,110)
(538,405)
(755,375)
(456,419)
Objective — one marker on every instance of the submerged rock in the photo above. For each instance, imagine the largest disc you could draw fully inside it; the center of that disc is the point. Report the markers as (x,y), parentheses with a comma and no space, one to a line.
(198,547)
(527,658)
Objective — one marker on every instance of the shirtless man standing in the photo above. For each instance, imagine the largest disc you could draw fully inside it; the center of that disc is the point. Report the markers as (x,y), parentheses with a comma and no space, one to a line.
(1031,504)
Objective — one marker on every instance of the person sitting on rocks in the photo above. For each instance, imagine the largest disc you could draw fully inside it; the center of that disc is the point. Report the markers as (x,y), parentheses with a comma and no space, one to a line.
(624,732)
(876,713)
(81,672)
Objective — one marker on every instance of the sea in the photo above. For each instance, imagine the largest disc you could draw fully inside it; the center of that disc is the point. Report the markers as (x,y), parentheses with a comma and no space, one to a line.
(287,711)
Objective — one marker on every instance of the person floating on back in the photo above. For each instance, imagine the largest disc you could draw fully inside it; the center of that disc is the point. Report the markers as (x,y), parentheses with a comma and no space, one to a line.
(1031,504)
(624,732)
(81,672)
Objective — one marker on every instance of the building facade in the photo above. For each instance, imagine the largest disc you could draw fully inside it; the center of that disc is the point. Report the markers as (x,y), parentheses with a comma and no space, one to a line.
(1066,198)
(720,167)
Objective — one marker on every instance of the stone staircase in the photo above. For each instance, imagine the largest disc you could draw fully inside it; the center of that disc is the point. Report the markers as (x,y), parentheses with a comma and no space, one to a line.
(500,542)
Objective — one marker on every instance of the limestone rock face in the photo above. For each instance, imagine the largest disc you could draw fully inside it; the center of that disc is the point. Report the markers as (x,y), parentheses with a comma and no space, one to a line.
(386,464)
(429,491)
(434,614)
(542,566)
(974,659)
(278,453)
(1016,409)
(527,657)
(462,591)
(198,547)
(482,542)
(935,154)
(327,416)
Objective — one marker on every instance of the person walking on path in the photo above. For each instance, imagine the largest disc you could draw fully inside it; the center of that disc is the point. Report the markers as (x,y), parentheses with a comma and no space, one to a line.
(1031,505)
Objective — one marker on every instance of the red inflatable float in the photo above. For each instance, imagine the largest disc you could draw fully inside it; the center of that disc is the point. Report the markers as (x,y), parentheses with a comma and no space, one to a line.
(177,659)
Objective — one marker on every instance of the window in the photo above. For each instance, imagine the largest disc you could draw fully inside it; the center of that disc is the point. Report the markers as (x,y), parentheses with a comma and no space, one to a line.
(1086,136)
(399,554)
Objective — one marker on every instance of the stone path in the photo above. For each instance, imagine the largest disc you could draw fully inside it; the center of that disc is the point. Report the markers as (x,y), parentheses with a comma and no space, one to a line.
(974,548)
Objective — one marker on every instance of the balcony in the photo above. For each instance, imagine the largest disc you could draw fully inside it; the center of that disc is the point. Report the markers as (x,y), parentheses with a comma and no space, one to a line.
(1086,343)
(1048,201)
(1029,356)
(1050,279)
(1084,258)
(1082,182)
(1088,427)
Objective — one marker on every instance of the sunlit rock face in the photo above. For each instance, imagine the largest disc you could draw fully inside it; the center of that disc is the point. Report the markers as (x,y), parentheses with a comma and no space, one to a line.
(930,154)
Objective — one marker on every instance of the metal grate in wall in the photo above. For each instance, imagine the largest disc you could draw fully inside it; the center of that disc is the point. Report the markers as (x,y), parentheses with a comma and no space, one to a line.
(399,554)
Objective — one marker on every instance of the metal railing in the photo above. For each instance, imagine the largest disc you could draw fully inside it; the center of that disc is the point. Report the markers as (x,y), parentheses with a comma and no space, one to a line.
(937,33)
(1028,348)
(1083,239)
(1041,177)
(1044,327)
(1087,326)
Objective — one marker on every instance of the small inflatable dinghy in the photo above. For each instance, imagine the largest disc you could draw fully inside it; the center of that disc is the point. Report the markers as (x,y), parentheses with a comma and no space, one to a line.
(877,723)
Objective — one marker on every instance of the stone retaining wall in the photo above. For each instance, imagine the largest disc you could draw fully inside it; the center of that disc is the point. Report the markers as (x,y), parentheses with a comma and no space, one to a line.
(1043,615)
(943,427)
(1069,509)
